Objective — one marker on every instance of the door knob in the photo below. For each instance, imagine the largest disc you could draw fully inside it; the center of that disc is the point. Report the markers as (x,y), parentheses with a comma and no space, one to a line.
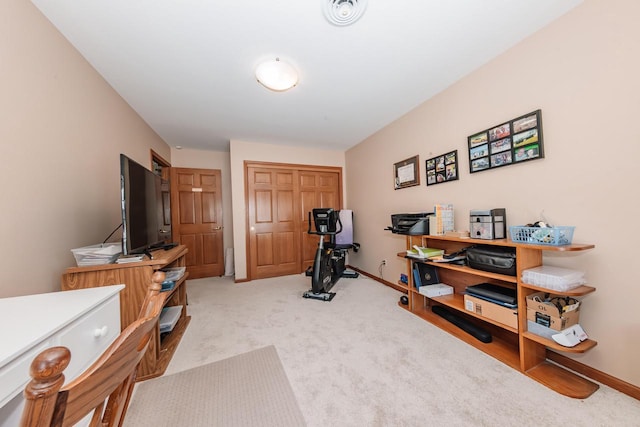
(216,228)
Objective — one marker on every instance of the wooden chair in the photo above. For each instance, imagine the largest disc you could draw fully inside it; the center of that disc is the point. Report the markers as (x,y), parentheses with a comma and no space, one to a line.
(104,388)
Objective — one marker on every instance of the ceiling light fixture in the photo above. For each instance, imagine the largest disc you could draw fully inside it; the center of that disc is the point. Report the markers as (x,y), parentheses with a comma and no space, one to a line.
(344,12)
(277,75)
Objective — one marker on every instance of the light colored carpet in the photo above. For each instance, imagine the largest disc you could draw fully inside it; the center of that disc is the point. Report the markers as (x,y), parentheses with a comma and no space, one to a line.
(251,389)
(360,360)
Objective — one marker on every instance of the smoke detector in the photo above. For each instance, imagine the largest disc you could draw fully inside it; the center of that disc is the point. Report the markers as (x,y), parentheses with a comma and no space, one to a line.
(344,12)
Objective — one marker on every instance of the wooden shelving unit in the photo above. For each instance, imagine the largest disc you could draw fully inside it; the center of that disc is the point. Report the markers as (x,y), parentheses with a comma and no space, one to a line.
(516,347)
(136,277)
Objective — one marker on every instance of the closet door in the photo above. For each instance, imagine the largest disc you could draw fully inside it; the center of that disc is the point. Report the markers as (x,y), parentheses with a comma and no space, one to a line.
(274,240)
(317,190)
(279,197)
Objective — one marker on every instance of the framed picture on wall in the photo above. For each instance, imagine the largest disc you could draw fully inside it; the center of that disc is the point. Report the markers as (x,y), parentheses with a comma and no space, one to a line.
(406,173)
(515,141)
(442,168)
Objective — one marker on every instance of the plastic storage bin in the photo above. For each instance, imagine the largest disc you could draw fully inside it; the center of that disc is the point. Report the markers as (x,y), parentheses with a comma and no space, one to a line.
(169,317)
(554,278)
(554,236)
(104,253)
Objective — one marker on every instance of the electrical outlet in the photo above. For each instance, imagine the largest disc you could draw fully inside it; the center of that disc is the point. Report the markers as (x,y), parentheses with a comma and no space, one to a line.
(383,262)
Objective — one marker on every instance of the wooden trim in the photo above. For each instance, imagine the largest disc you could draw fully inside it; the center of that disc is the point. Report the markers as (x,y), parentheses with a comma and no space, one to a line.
(166,166)
(317,168)
(596,375)
(157,157)
(379,280)
(247,233)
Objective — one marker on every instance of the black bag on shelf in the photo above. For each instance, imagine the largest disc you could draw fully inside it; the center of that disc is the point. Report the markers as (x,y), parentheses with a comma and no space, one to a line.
(496,259)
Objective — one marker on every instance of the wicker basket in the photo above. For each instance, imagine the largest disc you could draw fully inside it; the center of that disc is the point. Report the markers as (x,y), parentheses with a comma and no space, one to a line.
(553,236)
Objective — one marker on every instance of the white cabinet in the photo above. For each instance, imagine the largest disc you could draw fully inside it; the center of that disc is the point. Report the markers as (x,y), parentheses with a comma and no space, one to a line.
(86,321)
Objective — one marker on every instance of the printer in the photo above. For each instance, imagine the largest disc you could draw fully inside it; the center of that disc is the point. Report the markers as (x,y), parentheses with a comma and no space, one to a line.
(413,224)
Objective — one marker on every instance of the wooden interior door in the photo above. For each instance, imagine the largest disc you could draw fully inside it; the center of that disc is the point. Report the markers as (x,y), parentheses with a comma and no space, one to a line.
(196,213)
(317,190)
(279,197)
(272,210)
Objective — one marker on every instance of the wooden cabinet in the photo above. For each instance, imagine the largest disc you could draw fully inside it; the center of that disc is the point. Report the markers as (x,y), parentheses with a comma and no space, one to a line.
(136,277)
(516,347)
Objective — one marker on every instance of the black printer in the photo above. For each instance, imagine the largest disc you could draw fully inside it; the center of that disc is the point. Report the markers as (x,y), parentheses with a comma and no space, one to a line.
(413,224)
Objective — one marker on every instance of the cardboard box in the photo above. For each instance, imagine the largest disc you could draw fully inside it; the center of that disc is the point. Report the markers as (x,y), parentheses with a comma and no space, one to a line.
(506,316)
(548,314)
(436,290)
(552,322)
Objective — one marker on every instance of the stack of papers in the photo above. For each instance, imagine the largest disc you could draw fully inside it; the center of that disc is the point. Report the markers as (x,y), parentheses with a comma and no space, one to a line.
(97,254)
(421,252)
(129,258)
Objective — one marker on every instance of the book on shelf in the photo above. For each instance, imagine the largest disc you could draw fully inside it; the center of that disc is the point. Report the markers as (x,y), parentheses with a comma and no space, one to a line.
(421,252)
(424,274)
(125,259)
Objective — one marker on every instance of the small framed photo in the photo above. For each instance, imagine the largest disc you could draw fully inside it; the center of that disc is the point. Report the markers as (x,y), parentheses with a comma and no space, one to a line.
(406,173)
(515,141)
(478,139)
(499,132)
(442,168)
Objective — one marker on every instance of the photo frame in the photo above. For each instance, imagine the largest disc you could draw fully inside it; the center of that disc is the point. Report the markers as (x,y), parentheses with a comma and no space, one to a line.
(443,168)
(512,142)
(406,173)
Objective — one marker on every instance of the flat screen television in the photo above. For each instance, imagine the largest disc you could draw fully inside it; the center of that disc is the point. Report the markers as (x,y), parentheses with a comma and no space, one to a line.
(141,200)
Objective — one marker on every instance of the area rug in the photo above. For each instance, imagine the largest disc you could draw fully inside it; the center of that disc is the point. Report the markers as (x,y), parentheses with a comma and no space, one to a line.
(251,389)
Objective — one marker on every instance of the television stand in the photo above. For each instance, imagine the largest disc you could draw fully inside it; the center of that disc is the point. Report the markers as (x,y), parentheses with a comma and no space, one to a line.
(136,277)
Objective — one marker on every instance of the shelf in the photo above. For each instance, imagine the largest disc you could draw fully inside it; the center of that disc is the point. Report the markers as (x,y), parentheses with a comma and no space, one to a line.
(563,381)
(403,285)
(510,243)
(160,257)
(498,348)
(524,350)
(575,292)
(465,269)
(176,286)
(583,347)
(168,346)
(469,270)
(456,301)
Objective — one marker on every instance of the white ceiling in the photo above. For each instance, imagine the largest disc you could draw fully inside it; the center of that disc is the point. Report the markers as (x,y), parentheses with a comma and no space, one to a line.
(187,66)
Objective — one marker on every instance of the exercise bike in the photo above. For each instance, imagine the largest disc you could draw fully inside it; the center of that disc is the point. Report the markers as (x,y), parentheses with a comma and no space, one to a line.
(329,263)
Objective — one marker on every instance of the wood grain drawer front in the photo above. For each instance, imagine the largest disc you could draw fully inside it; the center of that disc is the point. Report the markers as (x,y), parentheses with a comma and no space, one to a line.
(15,376)
(90,335)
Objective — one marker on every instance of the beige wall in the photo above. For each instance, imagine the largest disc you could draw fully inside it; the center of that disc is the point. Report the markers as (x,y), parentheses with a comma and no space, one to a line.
(582,71)
(202,159)
(62,128)
(241,151)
